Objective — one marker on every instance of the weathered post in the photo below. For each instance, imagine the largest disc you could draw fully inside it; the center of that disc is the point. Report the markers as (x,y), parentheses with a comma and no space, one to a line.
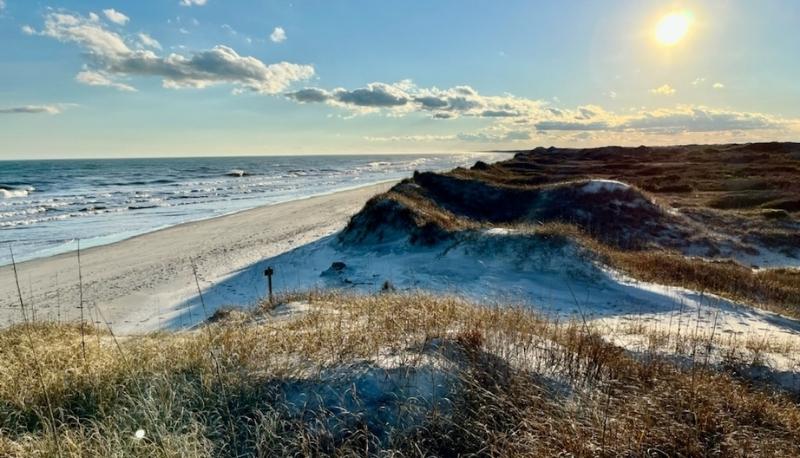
(268,273)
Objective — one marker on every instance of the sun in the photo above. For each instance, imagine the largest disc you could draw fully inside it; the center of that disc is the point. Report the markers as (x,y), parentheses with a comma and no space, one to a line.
(673,27)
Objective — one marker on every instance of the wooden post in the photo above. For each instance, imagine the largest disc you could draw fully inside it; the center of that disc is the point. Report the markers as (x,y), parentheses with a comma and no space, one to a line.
(268,273)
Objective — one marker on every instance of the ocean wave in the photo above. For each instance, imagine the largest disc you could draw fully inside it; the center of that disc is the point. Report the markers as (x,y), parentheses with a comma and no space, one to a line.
(25,211)
(63,216)
(144,182)
(417,162)
(93,208)
(30,221)
(237,173)
(7,192)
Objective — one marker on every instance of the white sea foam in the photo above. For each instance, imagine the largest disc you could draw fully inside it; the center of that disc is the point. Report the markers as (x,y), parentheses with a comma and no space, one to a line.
(236,173)
(14,193)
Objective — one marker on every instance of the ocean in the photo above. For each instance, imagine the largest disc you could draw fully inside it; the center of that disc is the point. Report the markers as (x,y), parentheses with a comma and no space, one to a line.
(47,206)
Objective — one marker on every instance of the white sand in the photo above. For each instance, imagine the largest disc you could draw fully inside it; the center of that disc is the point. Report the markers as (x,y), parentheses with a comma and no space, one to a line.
(140,284)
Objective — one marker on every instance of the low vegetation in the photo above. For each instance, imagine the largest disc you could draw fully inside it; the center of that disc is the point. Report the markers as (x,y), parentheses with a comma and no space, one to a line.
(673,215)
(773,289)
(387,374)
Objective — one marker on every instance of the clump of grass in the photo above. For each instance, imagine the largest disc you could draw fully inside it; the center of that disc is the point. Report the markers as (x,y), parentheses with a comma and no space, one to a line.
(770,289)
(392,213)
(773,289)
(518,384)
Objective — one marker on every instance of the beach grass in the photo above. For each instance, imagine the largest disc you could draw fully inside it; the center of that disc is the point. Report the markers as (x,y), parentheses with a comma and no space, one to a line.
(327,373)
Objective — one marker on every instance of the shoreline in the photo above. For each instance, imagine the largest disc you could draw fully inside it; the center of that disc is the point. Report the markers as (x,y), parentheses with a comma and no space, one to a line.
(137,283)
(71,252)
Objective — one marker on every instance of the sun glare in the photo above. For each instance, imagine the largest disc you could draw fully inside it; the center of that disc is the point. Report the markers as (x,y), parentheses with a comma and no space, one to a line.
(672,28)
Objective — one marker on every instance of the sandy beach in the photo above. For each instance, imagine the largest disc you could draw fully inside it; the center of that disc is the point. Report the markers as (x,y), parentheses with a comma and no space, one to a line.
(144,283)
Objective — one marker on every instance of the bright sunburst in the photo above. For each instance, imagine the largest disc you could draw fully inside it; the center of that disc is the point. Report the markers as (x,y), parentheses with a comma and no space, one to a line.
(673,27)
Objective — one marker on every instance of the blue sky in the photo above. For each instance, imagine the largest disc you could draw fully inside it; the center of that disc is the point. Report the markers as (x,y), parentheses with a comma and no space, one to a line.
(191,77)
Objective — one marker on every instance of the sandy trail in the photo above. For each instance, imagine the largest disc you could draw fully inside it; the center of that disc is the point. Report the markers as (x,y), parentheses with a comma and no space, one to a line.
(139,283)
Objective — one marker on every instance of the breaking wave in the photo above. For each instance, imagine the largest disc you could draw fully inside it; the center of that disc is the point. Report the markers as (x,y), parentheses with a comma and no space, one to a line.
(11,193)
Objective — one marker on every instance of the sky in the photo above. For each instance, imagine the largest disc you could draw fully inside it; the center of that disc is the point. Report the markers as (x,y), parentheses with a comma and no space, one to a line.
(112,78)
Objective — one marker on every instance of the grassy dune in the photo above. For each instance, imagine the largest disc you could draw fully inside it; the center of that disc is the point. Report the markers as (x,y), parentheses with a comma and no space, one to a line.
(692,216)
(387,374)
(773,289)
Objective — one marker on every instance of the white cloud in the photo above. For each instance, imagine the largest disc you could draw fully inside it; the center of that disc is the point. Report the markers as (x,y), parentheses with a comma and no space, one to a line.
(110,55)
(411,138)
(680,119)
(698,81)
(96,40)
(193,2)
(718,86)
(688,118)
(405,97)
(515,119)
(2,5)
(664,89)
(116,17)
(33,109)
(278,35)
(496,137)
(491,135)
(92,78)
(28,30)
(147,41)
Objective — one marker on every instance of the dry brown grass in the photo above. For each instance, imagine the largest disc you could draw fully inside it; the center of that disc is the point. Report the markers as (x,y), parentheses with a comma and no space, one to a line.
(523,386)
(773,289)
(764,289)
(745,191)
(645,245)
(415,215)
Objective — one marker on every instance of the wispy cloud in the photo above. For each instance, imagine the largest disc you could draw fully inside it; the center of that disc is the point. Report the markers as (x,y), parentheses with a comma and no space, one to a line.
(488,136)
(94,78)
(147,41)
(278,35)
(664,89)
(684,119)
(193,2)
(110,55)
(411,138)
(33,109)
(679,119)
(718,86)
(116,17)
